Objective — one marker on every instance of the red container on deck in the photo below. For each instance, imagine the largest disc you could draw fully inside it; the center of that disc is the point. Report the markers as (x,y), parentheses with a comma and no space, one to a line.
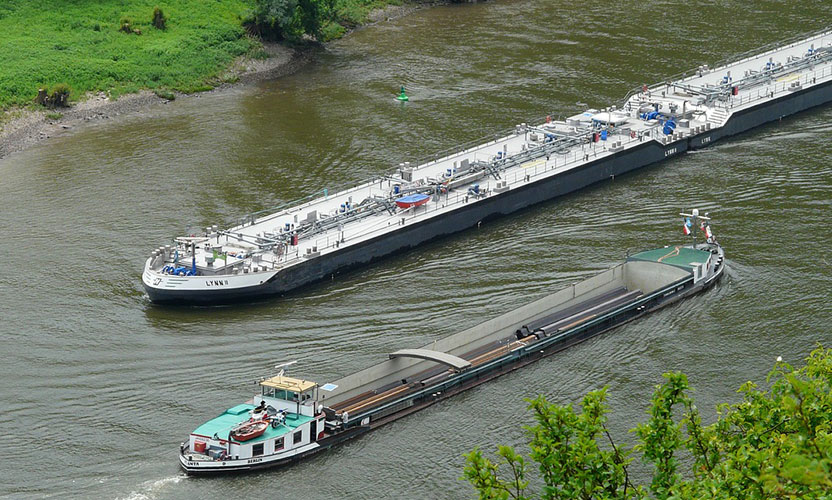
(199,446)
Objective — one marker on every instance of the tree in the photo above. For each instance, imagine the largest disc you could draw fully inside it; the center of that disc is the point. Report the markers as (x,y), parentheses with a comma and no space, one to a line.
(776,443)
(288,19)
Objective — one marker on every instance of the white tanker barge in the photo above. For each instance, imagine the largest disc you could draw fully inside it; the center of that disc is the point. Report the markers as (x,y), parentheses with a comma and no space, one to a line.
(277,250)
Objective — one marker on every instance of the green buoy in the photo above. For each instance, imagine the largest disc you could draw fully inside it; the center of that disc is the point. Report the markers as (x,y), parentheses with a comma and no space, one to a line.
(402,96)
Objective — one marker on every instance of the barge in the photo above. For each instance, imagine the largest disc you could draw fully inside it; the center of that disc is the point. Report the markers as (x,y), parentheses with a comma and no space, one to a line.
(304,417)
(277,250)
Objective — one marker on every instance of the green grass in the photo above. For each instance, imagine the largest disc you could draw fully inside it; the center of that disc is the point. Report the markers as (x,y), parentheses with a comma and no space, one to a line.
(78,42)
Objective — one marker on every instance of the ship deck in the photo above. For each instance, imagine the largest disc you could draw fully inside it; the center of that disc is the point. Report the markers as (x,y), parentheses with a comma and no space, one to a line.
(564,319)
(589,304)
(222,424)
(680,256)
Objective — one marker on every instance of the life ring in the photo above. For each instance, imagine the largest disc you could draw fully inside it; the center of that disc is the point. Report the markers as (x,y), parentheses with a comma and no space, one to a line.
(275,424)
(632,134)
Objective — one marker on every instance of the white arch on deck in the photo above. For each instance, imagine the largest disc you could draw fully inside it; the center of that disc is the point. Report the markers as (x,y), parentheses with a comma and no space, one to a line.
(444,358)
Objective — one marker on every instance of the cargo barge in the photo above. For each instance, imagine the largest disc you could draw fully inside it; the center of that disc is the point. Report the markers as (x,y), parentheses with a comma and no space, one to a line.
(304,417)
(277,250)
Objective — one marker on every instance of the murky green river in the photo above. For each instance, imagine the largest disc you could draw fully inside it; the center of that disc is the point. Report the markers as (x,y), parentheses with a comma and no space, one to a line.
(98,386)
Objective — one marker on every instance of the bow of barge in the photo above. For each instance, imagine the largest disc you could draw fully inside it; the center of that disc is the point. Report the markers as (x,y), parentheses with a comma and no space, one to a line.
(320,416)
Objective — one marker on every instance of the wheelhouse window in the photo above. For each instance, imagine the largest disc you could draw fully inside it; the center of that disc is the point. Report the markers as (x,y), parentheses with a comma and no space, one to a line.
(278,444)
(257,450)
(280,394)
(297,437)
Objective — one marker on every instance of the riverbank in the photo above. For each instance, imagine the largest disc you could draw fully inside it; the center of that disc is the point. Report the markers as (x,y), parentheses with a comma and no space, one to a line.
(24,126)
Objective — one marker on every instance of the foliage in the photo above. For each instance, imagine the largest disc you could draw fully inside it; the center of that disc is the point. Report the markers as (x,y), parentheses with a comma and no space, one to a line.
(159,19)
(773,444)
(53,41)
(288,19)
(165,94)
(58,96)
(322,20)
(125,23)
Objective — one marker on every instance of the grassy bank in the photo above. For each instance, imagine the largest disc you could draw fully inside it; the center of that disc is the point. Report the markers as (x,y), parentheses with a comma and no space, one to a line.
(80,43)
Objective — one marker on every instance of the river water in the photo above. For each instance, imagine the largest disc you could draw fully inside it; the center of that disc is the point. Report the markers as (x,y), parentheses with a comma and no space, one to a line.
(98,386)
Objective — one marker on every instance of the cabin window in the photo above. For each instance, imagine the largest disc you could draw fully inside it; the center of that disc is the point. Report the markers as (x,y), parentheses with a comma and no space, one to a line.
(257,450)
(298,437)
(278,444)
(285,395)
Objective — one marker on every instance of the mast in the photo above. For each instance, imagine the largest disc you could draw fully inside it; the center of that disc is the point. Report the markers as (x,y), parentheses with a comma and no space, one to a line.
(695,219)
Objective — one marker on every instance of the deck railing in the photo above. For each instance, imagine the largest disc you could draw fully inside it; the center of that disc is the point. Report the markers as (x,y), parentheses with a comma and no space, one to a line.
(486,141)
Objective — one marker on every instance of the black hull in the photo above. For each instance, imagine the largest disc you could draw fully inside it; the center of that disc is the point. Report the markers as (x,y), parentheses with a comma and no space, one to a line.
(518,198)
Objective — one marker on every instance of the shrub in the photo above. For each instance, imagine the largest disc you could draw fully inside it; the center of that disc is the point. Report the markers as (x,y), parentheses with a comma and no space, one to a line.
(288,19)
(159,19)
(165,94)
(775,443)
(58,96)
(125,25)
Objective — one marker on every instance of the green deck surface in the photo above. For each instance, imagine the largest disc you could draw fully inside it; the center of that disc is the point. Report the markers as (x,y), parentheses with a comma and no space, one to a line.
(678,256)
(222,424)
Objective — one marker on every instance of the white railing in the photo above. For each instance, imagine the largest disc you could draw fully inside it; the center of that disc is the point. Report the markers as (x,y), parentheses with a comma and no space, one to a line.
(769,92)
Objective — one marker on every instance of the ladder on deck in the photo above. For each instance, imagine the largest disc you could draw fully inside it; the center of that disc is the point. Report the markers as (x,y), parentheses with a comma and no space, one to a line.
(718,116)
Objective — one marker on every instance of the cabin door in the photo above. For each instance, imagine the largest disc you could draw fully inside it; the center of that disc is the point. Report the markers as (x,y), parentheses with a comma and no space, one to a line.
(313,431)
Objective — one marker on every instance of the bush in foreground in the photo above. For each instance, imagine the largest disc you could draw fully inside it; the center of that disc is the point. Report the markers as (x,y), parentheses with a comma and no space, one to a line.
(774,444)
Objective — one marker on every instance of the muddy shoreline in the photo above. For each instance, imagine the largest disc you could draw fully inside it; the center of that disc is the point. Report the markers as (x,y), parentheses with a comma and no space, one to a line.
(35,126)
(26,127)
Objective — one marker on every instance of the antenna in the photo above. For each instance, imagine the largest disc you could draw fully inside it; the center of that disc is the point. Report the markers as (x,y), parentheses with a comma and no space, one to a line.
(282,367)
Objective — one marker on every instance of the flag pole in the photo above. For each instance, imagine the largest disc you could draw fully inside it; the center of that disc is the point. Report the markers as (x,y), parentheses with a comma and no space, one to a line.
(695,218)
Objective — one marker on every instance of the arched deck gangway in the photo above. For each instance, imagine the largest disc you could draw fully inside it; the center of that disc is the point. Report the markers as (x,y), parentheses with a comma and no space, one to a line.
(444,358)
